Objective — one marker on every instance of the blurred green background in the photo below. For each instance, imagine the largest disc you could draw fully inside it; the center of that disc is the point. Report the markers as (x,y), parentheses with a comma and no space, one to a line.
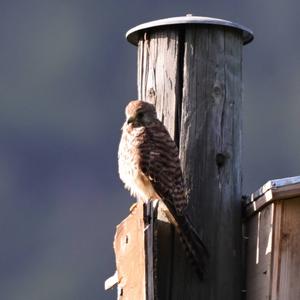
(66,74)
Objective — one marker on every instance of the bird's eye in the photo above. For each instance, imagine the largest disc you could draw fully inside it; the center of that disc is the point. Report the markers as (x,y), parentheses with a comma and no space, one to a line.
(140,115)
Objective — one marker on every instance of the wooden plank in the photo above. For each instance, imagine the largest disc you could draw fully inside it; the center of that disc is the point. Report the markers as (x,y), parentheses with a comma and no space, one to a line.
(165,234)
(150,216)
(252,233)
(274,184)
(276,249)
(274,193)
(289,260)
(260,234)
(129,247)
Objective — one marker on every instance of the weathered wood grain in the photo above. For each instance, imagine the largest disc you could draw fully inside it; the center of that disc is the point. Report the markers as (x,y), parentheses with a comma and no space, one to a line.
(273,229)
(129,246)
(288,275)
(193,76)
(260,243)
(210,148)
(275,268)
(159,74)
(273,251)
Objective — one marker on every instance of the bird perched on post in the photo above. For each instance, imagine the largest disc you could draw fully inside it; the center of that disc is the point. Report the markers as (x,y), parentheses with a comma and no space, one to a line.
(149,166)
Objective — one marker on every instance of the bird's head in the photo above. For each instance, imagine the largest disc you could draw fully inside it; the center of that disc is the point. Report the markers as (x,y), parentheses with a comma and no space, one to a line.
(140,113)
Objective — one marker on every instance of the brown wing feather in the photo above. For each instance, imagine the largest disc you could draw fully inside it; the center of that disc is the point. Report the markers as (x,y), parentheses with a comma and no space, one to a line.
(160,163)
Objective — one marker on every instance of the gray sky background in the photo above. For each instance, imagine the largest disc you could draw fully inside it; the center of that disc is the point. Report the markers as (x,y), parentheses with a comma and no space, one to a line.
(66,74)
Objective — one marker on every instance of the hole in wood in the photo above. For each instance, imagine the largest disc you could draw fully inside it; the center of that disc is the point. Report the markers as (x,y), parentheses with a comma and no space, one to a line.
(220,159)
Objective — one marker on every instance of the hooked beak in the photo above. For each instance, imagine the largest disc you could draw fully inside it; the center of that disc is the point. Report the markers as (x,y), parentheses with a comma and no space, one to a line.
(130,120)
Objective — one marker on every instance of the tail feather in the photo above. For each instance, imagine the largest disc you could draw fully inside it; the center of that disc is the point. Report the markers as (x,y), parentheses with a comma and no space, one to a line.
(195,249)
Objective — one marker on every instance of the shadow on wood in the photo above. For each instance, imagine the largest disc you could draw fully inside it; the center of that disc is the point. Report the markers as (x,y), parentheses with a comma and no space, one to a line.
(175,274)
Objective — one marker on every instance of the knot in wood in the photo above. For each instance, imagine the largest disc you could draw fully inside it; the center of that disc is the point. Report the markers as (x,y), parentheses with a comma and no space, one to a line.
(285,236)
(221,159)
(151,92)
(217,91)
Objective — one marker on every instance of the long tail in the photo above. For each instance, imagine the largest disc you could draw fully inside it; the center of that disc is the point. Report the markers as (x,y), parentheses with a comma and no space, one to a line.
(195,249)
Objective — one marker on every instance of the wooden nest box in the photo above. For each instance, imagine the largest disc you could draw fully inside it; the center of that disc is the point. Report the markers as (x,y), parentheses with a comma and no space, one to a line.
(273,241)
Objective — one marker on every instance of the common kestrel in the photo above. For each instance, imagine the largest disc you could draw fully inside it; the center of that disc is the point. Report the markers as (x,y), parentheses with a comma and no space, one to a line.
(149,166)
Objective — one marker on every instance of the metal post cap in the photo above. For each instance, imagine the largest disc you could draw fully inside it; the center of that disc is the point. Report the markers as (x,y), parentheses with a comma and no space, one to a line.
(134,33)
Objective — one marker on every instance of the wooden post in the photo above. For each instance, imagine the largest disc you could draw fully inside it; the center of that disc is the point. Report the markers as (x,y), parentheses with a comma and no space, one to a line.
(191,69)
